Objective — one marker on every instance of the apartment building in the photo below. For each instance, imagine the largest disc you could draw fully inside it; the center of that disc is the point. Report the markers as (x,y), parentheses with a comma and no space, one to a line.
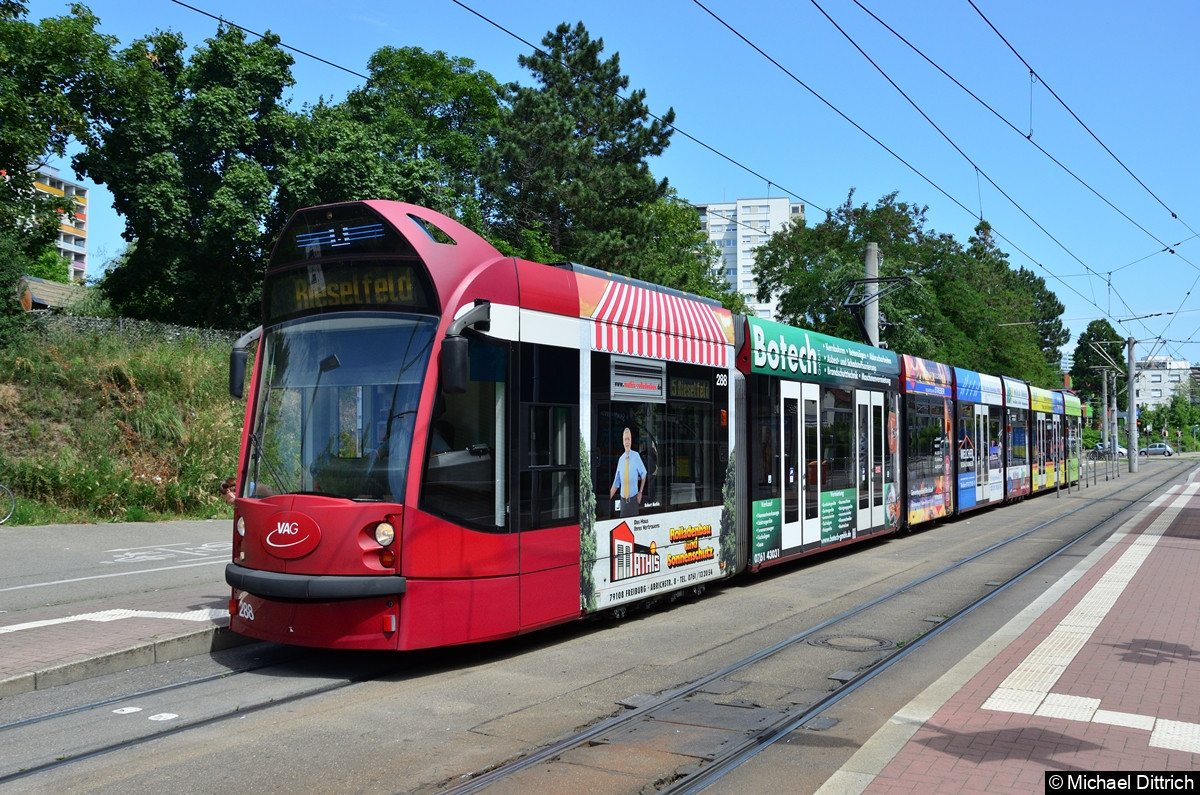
(738,228)
(1157,377)
(72,229)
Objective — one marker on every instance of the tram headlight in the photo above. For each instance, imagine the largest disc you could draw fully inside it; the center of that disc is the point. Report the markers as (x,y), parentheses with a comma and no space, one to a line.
(241,526)
(385,534)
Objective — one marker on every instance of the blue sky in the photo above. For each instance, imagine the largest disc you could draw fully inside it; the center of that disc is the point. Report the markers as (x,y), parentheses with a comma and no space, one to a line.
(1126,71)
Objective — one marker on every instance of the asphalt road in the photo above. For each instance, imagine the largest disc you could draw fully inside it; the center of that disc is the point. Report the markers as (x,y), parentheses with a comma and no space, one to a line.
(76,564)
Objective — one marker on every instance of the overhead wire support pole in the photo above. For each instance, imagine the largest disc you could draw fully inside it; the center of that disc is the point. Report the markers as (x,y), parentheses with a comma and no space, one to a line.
(1131,412)
(857,305)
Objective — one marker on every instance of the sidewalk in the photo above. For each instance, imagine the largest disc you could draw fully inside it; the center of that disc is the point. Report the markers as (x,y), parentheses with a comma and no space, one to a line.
(1102,673)
(78,601)
(61,645)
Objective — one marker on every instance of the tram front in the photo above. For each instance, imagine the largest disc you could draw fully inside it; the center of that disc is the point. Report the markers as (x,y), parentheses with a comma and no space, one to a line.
(337,394)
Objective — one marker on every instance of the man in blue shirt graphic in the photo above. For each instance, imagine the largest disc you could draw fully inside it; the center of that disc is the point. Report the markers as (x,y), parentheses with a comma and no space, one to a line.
(630,478)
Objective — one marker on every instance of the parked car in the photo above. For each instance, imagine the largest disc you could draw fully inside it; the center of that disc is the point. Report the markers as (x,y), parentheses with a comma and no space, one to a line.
(1120,449)
(1158,448)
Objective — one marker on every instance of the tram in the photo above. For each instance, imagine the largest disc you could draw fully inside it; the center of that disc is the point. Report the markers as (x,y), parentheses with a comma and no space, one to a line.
(443,445)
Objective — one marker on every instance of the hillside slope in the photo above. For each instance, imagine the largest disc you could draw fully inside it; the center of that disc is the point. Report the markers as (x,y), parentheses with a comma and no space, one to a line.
(116,421)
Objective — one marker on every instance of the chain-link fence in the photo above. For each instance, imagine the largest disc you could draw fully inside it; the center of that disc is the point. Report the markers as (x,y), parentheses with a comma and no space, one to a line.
(135,331)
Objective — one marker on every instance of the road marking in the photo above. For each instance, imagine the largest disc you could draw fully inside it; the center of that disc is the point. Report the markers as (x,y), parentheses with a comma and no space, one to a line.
(1027,690)
(114,574)
(205,614)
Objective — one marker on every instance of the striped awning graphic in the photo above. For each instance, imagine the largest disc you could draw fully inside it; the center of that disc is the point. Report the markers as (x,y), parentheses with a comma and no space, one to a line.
(639,322)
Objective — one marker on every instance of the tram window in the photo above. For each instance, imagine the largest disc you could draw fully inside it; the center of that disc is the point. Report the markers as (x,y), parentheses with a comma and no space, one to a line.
(864,455)
(837,438)
(548,439)
(1018,451)
(764,439)
(683,445)
(815,475)
(968,444)
(926,439)
(467,483)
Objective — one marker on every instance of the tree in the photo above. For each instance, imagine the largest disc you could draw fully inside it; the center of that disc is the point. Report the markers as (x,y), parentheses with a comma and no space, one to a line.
(1098,350)
(50,73)
(808,269)
(678,253)
(51,266)
(570,155)
(965,307)
(189,152)
(1047,314)
(413,133)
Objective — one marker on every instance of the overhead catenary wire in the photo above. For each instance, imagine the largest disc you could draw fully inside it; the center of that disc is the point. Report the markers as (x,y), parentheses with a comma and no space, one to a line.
(1029,138)
(1067,107)
(737,163)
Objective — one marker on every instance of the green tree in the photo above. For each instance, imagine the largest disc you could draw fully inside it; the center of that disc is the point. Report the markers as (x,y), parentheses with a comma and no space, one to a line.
(51,266)
(413,133)
(1047,317)
(189,152)
(808,269)
(1098,350)
(570,155)
(964,306)
(50,74)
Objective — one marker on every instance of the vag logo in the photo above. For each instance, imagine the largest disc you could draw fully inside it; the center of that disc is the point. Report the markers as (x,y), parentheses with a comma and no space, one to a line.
(292,535)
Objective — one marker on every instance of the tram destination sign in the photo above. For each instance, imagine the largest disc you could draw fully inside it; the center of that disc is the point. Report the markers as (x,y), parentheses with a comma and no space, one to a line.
(340,286)
(776,349)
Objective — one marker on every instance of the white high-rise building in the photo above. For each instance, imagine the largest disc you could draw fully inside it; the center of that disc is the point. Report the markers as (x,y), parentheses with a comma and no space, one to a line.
(738,228)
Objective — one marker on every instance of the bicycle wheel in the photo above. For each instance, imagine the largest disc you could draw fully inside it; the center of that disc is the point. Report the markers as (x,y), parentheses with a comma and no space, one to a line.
(8,503)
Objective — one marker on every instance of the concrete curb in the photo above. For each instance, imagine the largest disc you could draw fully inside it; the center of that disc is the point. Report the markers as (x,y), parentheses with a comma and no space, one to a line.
(171,647)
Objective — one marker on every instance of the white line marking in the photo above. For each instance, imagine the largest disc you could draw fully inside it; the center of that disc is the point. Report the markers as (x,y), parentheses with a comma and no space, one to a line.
(1027,689)
(114,574)
(204,614)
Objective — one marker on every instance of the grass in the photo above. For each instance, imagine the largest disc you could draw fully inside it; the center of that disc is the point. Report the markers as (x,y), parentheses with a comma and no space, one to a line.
(97,428)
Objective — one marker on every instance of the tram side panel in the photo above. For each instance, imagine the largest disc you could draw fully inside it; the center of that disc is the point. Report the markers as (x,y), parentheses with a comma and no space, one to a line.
(928,433)
(658,438)
(1073,434)
(1017,445)
(821,432)
(1045,424)
(978,439)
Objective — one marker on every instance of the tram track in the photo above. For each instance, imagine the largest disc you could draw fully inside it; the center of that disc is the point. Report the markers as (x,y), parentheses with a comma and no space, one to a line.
(696,711)
(86,730)
(719,730)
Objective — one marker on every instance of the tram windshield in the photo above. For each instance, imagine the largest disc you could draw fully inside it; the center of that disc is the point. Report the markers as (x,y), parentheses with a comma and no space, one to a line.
(337,405)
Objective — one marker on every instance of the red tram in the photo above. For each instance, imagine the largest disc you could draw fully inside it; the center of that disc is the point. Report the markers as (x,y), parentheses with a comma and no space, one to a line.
(443,445)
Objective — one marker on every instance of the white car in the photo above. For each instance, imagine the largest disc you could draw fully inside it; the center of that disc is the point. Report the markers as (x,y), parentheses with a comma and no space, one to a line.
(1121,451)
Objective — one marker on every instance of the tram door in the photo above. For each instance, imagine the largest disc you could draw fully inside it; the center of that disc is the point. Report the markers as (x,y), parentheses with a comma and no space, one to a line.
(871,450)
(802,475)
(1040,452)
(987,466)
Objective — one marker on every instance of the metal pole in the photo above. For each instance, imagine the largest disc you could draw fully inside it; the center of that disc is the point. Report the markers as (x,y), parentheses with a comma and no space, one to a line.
(871,308)
(1131,411)
(1104,410)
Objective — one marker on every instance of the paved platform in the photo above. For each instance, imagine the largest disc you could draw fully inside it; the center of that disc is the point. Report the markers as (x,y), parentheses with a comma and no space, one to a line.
(78,601)
(61,645)
(1102,673)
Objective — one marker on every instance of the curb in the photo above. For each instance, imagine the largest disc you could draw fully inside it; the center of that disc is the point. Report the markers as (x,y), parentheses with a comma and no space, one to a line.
(165,649)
